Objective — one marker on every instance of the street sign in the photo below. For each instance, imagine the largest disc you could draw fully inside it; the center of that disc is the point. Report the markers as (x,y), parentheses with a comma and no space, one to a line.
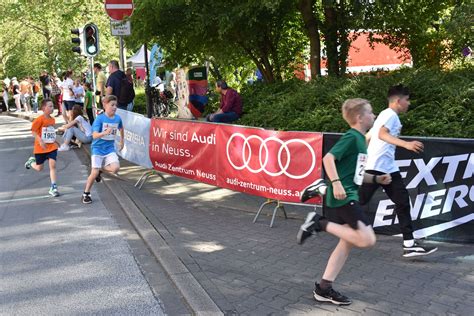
(119,28)
(119,9)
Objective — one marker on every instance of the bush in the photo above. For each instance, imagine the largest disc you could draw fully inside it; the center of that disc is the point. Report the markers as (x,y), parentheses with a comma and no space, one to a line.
(441,102)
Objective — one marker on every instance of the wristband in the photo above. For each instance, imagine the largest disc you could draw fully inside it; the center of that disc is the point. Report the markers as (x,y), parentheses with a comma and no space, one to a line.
(375,179)
(335,180)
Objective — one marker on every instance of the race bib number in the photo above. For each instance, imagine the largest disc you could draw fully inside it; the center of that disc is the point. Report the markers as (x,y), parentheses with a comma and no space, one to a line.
(360,168)
(48,134)
(113,126)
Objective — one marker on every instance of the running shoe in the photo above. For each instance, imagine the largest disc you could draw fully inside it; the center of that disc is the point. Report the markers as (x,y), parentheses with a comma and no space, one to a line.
(64,147)
(53,191)
(330,295)
(29,162)
(316,188)
(309,227)
(418,250)
(86,198)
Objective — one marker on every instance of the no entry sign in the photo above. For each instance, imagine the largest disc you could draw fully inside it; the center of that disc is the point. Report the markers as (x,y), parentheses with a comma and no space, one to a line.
(119,9)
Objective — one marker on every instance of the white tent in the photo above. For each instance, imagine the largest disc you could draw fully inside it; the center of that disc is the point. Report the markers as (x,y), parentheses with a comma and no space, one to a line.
(138,60)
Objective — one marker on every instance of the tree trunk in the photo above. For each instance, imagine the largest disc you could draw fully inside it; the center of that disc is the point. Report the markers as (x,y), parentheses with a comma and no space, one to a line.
(312,30)
(331,39)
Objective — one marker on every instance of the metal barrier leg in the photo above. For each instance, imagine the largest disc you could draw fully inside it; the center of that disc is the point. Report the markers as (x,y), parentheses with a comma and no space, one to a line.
(268,201)
(145,177)
(275,210)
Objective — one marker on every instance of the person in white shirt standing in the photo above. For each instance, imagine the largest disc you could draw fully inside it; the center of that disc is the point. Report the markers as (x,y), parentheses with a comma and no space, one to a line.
(383,139)
(68,96)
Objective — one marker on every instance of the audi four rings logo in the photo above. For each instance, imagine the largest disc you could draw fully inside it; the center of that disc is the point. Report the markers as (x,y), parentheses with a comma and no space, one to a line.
(247,154)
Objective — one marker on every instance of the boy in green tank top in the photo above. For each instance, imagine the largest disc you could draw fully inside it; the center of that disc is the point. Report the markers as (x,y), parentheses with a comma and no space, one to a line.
(344,165)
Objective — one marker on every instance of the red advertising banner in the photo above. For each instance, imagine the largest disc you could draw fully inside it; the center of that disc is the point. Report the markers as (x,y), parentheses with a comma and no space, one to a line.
(271,164)
(186,149)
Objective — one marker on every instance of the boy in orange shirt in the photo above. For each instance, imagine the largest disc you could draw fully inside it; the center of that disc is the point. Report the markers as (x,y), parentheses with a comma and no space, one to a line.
(45,147)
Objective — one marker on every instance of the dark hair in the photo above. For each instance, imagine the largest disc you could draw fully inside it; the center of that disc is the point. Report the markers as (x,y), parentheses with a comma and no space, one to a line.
(398,90)
(88,85)
(76,111)
(222,84)
(98,66)
(114,63)
(45,101)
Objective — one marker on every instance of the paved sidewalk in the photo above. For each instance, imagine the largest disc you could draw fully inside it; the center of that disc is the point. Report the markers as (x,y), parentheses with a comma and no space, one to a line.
(253,269)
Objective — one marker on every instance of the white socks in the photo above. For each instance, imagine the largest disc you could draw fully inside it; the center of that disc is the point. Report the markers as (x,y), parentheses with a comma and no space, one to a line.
(408,243)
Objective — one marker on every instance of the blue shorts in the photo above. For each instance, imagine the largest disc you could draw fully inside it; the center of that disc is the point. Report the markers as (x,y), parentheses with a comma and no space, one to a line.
(41,158)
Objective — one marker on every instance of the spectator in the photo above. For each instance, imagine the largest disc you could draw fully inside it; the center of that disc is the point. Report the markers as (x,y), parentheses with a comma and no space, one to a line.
(56,92)
(35,89)
(100,83)
(129,76)
(25,94)
(230,104)
(114,83)
(79,93)
(89,102)
(46,84)
(78,127)
(68,95)
(16,94)
(5,94)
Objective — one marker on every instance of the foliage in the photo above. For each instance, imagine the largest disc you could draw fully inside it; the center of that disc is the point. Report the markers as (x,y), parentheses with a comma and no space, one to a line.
(230,32)
(40,35)
(442,102)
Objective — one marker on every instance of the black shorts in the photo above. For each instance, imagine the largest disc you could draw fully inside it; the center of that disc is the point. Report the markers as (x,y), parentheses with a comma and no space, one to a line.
(41,158)
(69,105)
(347,214)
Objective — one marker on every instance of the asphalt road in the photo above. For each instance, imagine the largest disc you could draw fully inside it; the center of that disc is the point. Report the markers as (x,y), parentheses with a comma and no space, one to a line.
(57,255)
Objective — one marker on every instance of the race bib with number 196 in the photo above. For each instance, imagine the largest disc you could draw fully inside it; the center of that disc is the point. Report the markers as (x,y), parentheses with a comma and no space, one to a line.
(48,134)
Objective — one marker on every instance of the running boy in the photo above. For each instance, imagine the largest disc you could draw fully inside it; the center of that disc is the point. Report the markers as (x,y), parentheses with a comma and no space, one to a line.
(383,138)
(344,165)
(103,156)
(45,147)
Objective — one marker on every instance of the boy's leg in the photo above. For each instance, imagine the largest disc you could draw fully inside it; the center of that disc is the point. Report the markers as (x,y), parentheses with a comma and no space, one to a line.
(90,180)
(52,174)
(337,260)
(398,193)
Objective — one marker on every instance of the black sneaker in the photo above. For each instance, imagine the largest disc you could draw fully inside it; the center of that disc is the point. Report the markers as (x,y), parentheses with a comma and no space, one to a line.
(417,250)
(86,198)
(309,227)
(330,295)
(316,188)
(99,177)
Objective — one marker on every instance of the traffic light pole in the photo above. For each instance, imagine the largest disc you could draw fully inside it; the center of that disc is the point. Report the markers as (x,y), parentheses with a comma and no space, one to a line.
(94,105)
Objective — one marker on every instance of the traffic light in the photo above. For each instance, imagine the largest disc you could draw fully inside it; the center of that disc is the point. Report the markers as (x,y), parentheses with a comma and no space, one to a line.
(78,41)
(91,40)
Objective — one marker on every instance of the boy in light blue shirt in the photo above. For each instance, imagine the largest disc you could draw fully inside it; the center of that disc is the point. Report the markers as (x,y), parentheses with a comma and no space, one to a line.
(104,130)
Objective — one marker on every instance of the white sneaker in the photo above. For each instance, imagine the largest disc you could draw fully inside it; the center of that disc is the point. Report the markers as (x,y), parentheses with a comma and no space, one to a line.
(63,147)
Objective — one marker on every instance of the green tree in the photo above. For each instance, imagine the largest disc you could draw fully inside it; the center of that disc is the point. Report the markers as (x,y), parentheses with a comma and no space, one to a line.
(231,32)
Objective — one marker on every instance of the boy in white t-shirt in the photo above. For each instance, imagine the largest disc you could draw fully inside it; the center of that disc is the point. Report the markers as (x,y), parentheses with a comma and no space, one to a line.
(383,139)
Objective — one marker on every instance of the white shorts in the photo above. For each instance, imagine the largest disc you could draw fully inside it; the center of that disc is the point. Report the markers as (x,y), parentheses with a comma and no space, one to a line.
(98,161)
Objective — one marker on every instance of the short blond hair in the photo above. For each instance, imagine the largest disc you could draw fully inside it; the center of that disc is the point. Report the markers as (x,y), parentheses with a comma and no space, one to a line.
(353,107)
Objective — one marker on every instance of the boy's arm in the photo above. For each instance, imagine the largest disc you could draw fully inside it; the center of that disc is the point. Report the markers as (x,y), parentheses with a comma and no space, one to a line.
(121,143)
(329,162)
(38,138)
(379,179)
(385,135)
